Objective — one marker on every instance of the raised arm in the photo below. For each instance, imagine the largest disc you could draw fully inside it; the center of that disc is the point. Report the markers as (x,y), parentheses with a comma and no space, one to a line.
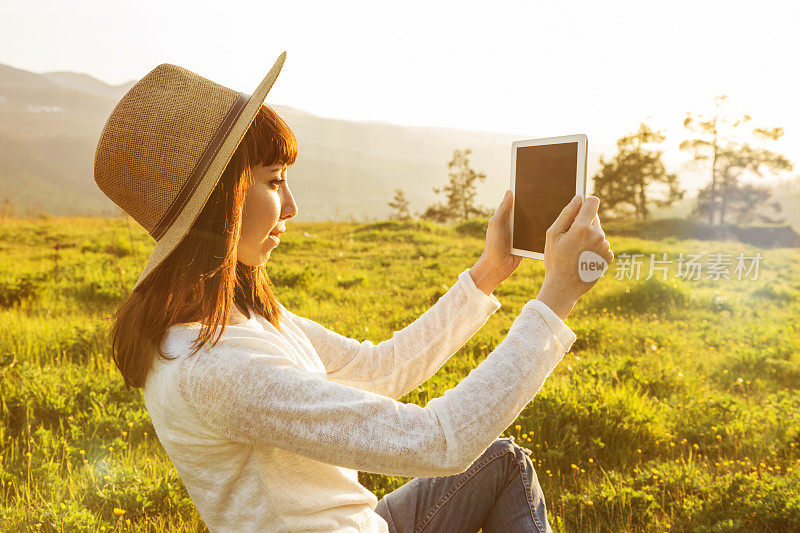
(395,366)
(253,394)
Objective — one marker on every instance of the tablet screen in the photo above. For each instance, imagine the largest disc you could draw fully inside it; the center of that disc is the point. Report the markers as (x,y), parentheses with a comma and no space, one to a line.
(544,185)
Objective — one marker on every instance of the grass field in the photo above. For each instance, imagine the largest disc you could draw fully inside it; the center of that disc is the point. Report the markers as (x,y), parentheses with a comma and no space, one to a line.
(677,409)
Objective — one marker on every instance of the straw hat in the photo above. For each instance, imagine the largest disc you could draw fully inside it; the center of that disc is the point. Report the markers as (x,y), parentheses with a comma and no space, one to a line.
(165,145)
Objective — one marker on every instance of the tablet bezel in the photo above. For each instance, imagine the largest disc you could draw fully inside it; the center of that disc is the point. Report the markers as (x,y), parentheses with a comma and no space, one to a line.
(580,178)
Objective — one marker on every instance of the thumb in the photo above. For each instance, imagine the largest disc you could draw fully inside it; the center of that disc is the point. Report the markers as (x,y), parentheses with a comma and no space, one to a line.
(564,219)
(505,205)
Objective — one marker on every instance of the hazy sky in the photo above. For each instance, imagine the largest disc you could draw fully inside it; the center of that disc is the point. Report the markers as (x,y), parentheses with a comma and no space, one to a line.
(534,68)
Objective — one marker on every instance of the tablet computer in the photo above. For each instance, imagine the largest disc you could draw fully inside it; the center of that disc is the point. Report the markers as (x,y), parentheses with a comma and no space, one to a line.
(545,175)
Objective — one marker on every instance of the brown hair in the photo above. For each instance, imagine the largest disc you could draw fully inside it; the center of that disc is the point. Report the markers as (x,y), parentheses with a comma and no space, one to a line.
(201,278)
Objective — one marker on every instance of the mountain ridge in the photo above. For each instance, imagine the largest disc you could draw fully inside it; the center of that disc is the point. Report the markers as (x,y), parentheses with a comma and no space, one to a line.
(346,170)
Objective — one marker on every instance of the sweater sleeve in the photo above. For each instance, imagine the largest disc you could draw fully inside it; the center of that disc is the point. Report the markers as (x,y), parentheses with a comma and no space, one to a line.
(248,391)
(395,366)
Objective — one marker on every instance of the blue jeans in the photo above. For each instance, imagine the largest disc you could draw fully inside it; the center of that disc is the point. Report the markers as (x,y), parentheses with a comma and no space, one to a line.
(499,492)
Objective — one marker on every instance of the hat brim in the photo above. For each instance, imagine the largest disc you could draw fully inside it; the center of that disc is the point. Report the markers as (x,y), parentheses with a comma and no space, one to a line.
(194,205)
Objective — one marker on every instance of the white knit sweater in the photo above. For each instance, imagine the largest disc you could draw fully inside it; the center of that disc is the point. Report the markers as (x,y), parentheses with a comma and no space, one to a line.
(268,429)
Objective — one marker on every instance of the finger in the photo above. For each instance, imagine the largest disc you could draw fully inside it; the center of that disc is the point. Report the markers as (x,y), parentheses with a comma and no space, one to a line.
(565,218)
(606,251)
(588,211)
(596,224)
(505,205)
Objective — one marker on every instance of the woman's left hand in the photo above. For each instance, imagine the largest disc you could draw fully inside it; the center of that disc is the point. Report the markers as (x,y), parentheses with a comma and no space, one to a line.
(496,263)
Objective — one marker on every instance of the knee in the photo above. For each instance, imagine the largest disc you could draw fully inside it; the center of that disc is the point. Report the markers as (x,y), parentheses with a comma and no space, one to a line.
(508,446)
(515,458)
(504,445)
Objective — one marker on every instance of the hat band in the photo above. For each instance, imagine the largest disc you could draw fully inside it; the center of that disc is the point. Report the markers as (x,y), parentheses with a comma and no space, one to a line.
(200,168)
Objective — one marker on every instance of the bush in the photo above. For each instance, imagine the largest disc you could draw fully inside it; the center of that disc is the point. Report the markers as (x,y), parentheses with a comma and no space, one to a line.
(474,227)
(648,296)
(25,287)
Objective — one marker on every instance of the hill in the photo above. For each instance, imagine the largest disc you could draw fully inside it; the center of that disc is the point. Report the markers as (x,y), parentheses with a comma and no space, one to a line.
(761,235)
(50,123)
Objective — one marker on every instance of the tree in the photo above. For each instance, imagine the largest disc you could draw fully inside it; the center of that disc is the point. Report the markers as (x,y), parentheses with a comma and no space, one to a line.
(400,204)
(436,213)
(7,209)
(704,149)
(740,199)
(460,204)
(744,199)
(729,161)
(624,182)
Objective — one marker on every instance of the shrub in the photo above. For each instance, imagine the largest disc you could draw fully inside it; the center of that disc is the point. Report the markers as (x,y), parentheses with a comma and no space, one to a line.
(648,296)
(16,290)
(475,227)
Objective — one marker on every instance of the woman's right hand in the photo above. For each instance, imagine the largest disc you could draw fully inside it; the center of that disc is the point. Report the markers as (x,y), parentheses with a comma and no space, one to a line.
(576,230)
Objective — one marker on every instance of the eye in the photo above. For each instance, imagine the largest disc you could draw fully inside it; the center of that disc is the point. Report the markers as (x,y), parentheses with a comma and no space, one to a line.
(276,183)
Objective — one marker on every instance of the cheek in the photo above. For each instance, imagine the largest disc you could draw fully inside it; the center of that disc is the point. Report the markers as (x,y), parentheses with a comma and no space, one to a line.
(259,212)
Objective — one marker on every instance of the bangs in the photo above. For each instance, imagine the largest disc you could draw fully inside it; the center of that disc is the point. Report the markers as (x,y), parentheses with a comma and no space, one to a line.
(269,140)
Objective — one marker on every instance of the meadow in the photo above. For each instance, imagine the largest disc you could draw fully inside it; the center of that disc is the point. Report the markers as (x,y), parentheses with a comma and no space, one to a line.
(677,408)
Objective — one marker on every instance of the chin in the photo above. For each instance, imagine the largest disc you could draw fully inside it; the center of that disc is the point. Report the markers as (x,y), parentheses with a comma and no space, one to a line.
(259,261)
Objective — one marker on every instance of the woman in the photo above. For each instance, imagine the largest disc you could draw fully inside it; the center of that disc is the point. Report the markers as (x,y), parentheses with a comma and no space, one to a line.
(268,424)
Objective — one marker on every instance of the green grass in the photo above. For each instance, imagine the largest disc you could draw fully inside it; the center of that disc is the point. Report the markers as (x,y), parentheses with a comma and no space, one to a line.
(676,409)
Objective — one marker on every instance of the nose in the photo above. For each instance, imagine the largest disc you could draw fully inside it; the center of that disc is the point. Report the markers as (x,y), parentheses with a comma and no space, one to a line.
(288,205)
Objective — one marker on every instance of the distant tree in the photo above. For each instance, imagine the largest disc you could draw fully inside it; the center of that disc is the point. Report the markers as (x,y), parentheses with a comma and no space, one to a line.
(460,203)
(624,182)
(740,200)
(745,199)
(705,148)
(729,161)
(7,209)
(400,205)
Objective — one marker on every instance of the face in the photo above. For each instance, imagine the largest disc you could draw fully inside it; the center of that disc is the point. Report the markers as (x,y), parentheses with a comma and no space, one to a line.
(268,205)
